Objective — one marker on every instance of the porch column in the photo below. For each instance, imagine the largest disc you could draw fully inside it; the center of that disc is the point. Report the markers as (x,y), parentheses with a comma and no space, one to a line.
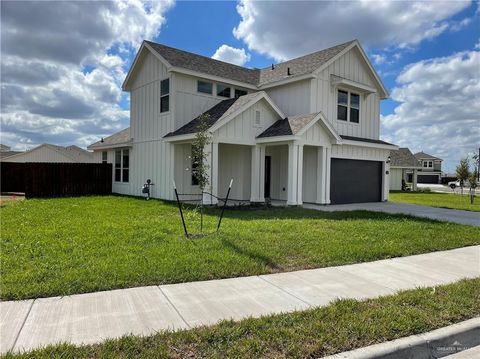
(386,180)
(321,175)
(258,173)
(328,163)
(211,152)
(261,190)
(414,180)
(295,174)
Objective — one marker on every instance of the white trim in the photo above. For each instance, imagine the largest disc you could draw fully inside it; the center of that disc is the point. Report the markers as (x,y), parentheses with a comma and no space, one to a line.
(287,81)
(212,78)
(355,86)
(186,137)
(369,144)
(405,167)
(106,147)
(288,138)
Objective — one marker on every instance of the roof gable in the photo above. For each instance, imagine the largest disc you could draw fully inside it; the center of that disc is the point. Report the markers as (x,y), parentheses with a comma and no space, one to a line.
(425,156)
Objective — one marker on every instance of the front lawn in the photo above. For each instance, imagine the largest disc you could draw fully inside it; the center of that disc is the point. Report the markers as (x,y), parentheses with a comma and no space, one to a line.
(435,199)
(341,326)
(75,245)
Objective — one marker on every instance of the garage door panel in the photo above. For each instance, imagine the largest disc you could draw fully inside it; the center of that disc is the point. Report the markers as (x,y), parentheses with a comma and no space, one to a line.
(427,179)
(355,181)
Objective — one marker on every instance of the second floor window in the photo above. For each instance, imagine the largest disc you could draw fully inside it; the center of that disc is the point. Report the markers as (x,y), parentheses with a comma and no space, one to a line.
(348,106)
(239,92)
(165,95)
(223,91)
(204,87)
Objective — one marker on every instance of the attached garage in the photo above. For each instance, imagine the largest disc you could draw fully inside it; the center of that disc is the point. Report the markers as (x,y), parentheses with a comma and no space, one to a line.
(355,181)
(432,179)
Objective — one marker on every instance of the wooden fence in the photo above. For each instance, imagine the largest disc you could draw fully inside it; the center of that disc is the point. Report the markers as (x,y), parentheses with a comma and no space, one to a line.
(56,179)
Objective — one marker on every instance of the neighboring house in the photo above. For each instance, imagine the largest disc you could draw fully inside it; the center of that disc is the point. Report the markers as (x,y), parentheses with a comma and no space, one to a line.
(6,151)
(403,166)
(305,130)
(431,171)
(52,153)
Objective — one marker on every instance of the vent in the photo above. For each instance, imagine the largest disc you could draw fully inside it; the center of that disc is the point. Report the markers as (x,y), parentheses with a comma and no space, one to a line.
(257,118)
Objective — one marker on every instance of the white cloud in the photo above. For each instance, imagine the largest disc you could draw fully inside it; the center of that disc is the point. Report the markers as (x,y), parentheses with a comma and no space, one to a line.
(232,55)
(379,59)
(63,64)
(285,29)
(439,107)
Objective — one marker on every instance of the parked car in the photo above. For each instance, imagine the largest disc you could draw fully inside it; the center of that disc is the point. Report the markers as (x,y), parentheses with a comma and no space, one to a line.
(454,184)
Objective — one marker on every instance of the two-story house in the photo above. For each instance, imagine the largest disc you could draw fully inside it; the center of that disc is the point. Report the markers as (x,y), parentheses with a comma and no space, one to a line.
(305,130)
(430,168)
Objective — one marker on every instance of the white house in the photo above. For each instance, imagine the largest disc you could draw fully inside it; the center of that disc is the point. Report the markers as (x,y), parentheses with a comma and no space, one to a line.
(52,153)
(431,168)
(305,130)
(403,167)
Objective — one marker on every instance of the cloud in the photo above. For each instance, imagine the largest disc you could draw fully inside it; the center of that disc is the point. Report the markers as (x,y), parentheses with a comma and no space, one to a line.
(439,107)
(283,30)
(63,64)
(379,59)
(232,55)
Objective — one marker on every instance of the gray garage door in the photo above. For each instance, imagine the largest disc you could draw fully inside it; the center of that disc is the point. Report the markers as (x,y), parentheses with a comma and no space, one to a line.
(354,181)
(427,179)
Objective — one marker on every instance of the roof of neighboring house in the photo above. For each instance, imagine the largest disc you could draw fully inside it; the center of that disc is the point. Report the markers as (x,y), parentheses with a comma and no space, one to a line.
(122,137)
(4,148)
(403,158)
(5,154)
(288,126)
(215,113)
(73,152)
(303,65)
(425,156)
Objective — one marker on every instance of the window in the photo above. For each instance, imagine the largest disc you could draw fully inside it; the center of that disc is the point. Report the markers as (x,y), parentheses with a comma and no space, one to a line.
(239,93)
(165,95)
(223,91)
(122,164)
(430,164)
(204,87)
(104,157)
(257,118)
(348,107)
(425,164)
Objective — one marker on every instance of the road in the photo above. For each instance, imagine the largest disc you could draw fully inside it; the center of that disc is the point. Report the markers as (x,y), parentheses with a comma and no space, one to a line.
(446,189)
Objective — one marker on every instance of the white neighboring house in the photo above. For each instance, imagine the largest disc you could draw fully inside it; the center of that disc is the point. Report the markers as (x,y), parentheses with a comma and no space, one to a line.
(403,166)
(52,153)
(305,130)
(431,168)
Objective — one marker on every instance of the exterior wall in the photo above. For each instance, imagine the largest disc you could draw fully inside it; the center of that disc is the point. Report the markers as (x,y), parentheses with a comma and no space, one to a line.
(292,99)
(350,66)
(279,171)
(234,161)
(310,173)
(183,169)
(316,136)
(40,154)
(396,175)
(437,166)
(242,128)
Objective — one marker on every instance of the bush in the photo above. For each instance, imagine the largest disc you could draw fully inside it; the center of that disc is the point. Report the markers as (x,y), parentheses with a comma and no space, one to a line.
(424,190)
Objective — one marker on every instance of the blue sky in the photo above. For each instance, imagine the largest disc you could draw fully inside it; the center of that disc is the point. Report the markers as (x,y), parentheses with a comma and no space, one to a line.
(69,89)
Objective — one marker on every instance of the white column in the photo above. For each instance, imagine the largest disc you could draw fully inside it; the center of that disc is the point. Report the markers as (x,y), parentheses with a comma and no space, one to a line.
(386,180)
(255,180)
(211,152)
(261,192)
(414,180)
(328,152)
(300,175)
(321,174)
(292,174)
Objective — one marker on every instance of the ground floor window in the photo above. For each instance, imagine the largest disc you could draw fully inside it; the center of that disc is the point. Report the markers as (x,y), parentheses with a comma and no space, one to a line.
(122,164)
(104,157)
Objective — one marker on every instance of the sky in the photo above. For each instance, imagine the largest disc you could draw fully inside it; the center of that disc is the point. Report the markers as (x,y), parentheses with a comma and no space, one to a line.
(63,63)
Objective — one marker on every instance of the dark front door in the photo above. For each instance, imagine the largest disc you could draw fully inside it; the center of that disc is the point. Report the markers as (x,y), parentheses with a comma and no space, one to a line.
(268,166)
(355,181)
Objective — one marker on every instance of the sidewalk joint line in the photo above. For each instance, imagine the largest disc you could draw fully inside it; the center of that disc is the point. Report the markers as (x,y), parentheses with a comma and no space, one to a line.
(174,307)
(21,327)
(285,291)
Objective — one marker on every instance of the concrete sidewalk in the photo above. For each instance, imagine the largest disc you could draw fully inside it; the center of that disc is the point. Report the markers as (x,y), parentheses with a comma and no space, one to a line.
(94,317)
(440,214)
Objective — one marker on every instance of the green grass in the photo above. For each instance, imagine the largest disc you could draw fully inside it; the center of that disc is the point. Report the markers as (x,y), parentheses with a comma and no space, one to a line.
(75,245)
(341,326)
(435,199)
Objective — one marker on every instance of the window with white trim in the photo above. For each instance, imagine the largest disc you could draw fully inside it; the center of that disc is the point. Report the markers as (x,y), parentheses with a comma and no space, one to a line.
(348,106)
(122,165)
(223,90)
(204,87)
(257,118)
(165,95)
(104,157)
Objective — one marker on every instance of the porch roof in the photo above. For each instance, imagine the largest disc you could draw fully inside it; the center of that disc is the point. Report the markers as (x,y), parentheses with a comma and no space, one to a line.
(289,126)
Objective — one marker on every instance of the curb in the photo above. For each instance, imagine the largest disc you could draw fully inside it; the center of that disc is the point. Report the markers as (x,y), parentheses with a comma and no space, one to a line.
(435,344)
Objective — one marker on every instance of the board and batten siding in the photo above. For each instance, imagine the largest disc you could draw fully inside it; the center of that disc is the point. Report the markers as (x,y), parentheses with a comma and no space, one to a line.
(396,176)
(183,170)
(292,99)
(279,171)
(310,174)
(353,67)
(234,162)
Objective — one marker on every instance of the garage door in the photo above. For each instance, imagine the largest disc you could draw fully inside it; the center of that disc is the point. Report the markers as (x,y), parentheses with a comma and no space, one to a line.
(427,179)
(354,181)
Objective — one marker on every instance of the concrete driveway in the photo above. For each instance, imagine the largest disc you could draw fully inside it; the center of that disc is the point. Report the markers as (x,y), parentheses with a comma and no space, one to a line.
(440,214)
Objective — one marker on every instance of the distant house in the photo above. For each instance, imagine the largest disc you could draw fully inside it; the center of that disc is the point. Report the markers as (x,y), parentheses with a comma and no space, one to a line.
(6,151)
(431,168)
(52,153)
(403,166)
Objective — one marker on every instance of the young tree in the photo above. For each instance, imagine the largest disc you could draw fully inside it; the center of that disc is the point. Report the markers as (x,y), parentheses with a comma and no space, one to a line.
(472,181)
(463,172)
(200,166)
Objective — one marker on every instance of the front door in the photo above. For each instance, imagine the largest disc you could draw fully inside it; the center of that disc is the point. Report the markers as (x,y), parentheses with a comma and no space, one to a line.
(268,165)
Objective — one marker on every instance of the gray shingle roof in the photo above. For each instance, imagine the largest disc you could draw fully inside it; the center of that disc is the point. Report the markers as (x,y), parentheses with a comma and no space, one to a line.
(215,113)
(403,158)
(299,66)
(288,126)
(369,140)
(121,137)
(423,155)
